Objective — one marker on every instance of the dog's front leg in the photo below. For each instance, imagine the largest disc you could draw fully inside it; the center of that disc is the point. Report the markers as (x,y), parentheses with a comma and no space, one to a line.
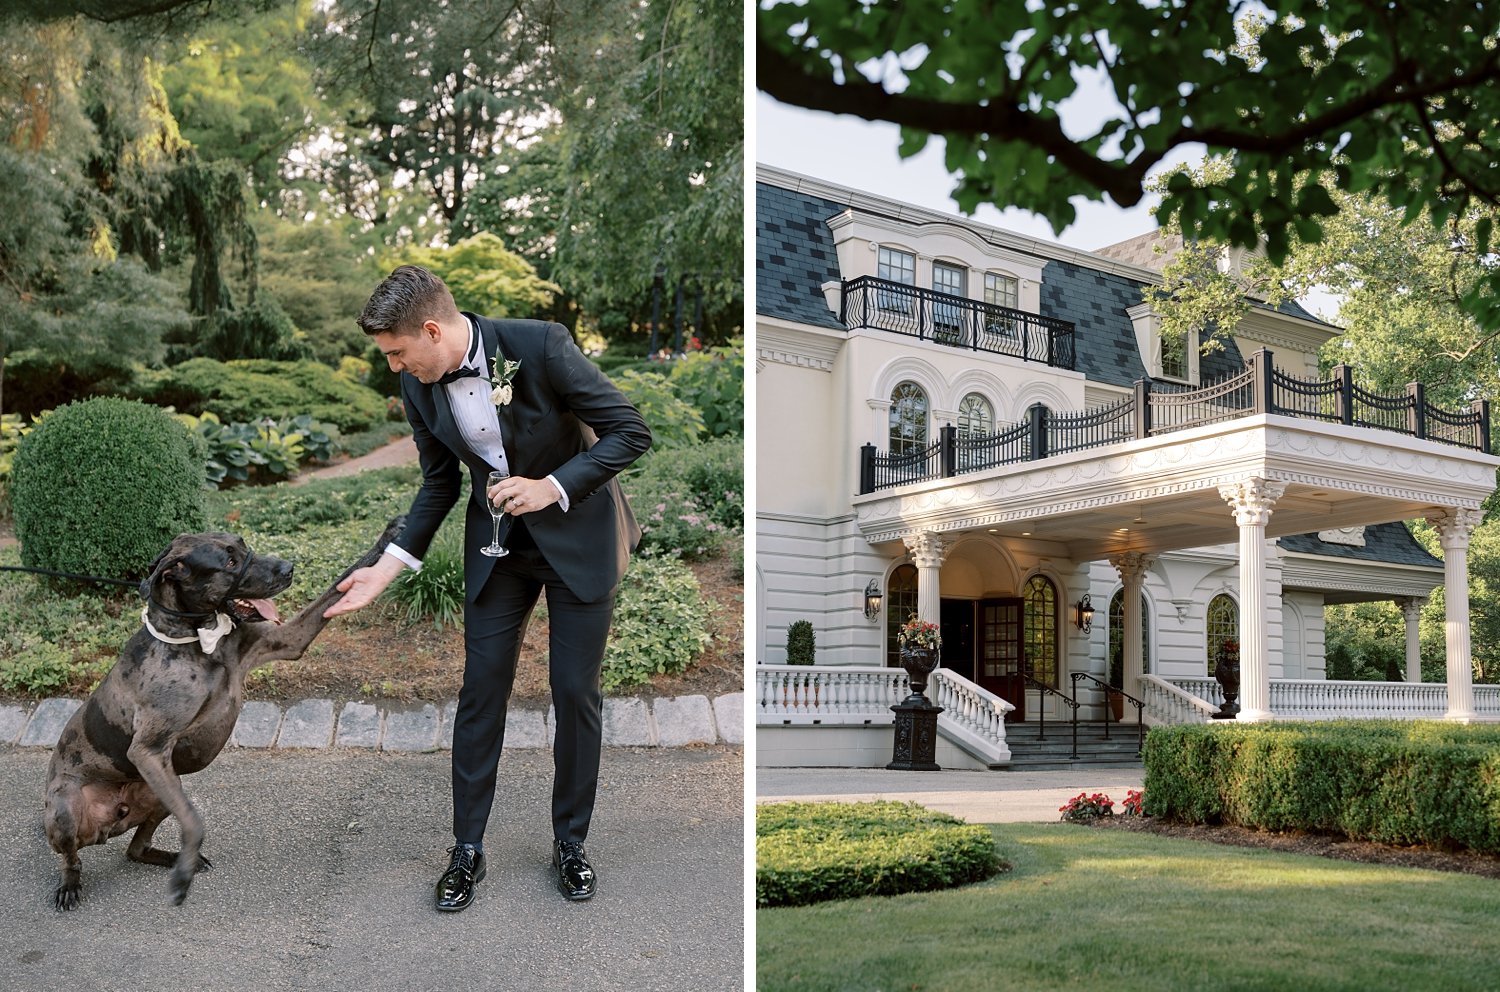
(288,641)
(153,760)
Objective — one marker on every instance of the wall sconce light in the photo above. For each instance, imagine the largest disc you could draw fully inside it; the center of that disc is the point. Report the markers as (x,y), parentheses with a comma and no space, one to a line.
(872,600)
(1085,614)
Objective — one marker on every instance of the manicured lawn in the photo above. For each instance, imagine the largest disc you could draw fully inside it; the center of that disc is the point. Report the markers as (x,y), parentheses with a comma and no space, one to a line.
(1097,909)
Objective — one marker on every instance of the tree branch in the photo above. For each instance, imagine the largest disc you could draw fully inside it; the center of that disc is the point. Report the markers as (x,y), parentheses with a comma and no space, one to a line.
(788,80)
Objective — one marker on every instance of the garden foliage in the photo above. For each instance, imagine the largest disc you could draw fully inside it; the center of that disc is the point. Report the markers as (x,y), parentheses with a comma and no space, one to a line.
(253,390)
(813,852)
(1394,782)
(689,503)
(674,422)
(660,623)
(100,487)
(714,382)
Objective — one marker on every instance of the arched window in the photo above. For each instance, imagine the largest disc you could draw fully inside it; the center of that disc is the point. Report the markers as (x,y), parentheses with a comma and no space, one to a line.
(900,604)
(1117,640)
(1223,624)
(1039,629)
(975,416)
(908,418)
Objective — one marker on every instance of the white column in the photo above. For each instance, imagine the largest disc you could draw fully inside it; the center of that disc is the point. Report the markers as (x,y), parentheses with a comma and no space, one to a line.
(1454,527)
(1251,501)
(1132,566)
(928,551)
(1411,611)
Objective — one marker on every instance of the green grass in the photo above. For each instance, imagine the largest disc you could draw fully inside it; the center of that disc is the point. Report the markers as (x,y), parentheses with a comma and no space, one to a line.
(1087,909)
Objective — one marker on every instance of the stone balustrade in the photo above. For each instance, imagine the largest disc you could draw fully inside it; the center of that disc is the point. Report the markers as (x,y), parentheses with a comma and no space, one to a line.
(1319,699)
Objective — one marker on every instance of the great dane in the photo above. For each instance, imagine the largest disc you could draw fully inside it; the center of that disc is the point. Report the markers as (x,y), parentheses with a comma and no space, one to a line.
(169,704)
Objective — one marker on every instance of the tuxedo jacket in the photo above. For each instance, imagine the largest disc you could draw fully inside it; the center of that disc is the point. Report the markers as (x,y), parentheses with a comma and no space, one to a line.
(566,419)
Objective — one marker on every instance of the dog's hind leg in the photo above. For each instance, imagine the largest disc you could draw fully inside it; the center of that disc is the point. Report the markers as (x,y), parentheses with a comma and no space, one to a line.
(62,834)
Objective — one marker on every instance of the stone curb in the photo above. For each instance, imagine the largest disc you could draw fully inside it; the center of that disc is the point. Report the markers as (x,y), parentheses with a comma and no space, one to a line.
(322,723)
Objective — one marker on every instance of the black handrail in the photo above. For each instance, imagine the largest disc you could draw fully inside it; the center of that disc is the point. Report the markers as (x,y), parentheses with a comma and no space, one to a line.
(1041,712)
(1155,409)
(1140,706)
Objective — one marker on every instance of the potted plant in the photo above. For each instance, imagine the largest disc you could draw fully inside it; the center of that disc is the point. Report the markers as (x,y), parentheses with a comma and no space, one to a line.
(920,642)
(801,645)
(1227,672)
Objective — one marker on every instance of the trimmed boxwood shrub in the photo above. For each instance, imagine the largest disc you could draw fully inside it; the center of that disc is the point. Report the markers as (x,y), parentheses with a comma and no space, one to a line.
(100,487)
(660,623)
(252,390)
(1393,782)
(813,852)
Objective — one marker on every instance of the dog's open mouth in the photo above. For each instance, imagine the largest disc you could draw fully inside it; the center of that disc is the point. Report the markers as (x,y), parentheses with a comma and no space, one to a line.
(248,610)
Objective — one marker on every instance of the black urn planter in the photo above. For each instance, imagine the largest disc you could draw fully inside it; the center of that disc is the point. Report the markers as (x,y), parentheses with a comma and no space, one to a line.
(915,745)
(1227,672)
(919,663)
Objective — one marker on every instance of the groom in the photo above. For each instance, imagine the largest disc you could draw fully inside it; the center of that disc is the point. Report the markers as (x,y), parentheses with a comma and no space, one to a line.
(563,431)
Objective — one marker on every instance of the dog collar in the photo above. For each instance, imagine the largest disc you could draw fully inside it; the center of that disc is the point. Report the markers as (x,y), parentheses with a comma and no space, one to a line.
(208,637)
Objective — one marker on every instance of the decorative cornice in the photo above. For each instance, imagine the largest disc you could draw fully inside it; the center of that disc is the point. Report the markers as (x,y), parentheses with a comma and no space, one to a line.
(790,358)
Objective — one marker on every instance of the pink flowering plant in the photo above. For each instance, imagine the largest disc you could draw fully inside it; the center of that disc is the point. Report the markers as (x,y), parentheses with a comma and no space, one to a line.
(1134,804)
(917,633)
(1083,807)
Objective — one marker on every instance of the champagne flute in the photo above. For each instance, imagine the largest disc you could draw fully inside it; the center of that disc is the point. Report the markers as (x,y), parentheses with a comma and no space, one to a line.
(494,550)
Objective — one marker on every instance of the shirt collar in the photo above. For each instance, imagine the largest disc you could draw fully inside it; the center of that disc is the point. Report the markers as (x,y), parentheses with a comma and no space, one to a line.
(474,357)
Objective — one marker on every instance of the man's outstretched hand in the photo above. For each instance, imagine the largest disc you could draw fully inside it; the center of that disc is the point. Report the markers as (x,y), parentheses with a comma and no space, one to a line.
(363,585)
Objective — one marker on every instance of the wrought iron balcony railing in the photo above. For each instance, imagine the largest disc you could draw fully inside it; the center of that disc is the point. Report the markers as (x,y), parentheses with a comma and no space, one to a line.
(956,321)
(1157,409)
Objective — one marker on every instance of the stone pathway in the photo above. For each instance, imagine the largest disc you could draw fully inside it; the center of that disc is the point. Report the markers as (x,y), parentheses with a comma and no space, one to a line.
(323,723)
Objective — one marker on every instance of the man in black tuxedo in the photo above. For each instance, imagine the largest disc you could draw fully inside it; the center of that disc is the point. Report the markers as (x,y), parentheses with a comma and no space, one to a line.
(563,431)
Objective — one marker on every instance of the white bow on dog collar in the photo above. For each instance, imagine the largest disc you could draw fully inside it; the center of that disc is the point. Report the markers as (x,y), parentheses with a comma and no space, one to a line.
(208,637)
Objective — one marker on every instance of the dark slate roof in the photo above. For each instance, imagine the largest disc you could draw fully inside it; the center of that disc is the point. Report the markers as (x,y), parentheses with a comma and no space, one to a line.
(794,255)
(1383,542)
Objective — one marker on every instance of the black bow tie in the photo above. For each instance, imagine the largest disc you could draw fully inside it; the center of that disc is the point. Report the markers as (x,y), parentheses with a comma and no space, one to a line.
(460,373)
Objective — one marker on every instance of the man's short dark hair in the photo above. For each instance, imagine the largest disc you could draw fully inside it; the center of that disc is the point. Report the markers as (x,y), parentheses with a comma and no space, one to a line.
(406,298)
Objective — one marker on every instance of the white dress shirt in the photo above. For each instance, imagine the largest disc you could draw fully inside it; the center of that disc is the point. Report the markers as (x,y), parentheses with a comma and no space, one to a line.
(478,423)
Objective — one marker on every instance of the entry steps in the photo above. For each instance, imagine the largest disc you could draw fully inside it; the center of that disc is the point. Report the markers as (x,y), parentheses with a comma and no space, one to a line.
(1030,752)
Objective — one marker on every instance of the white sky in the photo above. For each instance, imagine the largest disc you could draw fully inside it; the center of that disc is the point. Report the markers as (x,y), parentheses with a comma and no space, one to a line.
(862,155)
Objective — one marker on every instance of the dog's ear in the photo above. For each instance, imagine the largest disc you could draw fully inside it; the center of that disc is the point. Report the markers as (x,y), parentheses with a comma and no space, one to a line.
(165,563)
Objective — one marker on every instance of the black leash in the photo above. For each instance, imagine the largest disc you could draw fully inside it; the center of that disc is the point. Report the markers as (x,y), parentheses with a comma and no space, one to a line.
(69,575)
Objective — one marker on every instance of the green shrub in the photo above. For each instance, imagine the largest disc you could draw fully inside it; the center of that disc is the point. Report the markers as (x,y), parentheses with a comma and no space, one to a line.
(714,382)
(660,623)
(813,852)
(1417,782)
(801,643)
(38,380)
(373,496)
(673,524)
(674,422)
(712,474)
(102,486)
(38,670)
(436,593)
(250,391)
(261,330)
(238,452)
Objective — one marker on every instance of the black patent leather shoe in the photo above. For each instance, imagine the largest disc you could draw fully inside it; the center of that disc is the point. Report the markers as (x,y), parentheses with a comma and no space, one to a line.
(455,890)
(575,876)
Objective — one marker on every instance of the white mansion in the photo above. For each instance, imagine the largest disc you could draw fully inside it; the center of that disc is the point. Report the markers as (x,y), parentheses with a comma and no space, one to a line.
(985,430)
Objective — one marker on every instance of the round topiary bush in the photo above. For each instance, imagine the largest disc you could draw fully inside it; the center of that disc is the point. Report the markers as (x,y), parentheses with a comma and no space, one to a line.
(813,852)
(101,486)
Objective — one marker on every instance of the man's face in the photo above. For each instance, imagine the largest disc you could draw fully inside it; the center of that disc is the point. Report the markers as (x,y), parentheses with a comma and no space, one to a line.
(420,354)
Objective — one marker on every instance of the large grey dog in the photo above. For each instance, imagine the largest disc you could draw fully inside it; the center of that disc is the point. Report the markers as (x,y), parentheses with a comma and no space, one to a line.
(169,704)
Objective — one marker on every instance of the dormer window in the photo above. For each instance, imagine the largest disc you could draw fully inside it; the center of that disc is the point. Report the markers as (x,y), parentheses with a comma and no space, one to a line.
(1174,357)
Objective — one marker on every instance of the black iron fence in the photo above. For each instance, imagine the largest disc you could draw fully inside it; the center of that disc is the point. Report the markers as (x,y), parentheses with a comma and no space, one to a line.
(1157,409)
(956,321)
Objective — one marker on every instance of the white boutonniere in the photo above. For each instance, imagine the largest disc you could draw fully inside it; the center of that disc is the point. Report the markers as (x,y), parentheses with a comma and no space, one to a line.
(500,380)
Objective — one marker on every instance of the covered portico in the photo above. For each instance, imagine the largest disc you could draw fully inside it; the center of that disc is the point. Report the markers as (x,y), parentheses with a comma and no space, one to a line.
(1243,481)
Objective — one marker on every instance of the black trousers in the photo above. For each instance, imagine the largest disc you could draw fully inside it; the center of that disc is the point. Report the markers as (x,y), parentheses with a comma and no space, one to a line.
(494,625)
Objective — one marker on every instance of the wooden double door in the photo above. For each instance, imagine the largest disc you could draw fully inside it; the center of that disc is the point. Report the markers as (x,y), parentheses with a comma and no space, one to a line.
(982,640)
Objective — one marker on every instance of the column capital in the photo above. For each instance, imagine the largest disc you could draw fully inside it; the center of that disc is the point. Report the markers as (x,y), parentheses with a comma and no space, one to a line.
(1132,565)
(1252,499)
(927,548)
(1455,525)
(1411,606)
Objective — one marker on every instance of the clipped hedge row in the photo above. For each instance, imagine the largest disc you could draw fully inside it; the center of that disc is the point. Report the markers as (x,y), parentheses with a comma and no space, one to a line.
(1392,782)
(813,852)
